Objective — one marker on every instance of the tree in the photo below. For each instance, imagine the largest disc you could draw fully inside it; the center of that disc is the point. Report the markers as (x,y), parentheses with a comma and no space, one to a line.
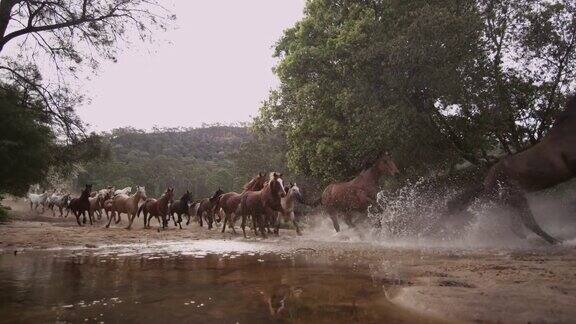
(437,83)
(25,143)
(72,36)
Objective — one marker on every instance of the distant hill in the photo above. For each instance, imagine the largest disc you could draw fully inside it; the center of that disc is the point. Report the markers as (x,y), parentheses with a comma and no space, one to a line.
(197,159)
(207,144)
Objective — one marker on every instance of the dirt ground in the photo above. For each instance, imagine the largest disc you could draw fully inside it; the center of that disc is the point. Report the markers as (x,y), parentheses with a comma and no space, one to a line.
(533,285)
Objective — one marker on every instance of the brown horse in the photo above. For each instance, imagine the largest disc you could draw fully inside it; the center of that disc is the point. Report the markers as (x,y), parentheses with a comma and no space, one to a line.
(228,202)
(205,209)
(262,203)
(158,208)
(354,196)
(127,204)
(96,205)
(79,206)
(544,165)
(107,206)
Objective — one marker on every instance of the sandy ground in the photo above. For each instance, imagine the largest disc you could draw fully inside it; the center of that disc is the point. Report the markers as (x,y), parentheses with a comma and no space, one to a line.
(533,285)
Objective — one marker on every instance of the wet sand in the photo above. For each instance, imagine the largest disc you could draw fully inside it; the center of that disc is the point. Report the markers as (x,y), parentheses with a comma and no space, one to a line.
(535,284)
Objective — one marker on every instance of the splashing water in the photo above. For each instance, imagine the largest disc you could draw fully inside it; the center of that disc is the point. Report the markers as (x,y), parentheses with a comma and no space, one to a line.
(414,211)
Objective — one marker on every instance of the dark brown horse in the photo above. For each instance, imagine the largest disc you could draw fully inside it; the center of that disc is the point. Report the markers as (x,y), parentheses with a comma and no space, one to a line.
(229,202)
(354,196)
(205,208)
(262,203)
(546,164)
(80,206)
(180,207)
(158,208)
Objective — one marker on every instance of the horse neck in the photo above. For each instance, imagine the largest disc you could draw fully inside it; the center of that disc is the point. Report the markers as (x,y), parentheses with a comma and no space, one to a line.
(163,201)
(136,197)
(369,178)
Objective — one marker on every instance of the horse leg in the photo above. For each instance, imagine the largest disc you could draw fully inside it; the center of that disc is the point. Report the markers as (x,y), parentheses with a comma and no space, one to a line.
(200,216)
(262,223)
(519,202)
(232,222)
(334,217)
(224,223)
(77,214)
(131,217)
(243,225)
(210,219)
(112,215)
(293,218)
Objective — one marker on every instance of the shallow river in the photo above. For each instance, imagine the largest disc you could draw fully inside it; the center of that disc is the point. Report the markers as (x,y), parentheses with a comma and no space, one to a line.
(210,281)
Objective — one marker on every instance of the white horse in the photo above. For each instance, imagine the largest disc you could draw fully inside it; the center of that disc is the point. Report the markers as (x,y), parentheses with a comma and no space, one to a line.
(288,203)
(37,200)
(60,201)
(107,192)
(125,191)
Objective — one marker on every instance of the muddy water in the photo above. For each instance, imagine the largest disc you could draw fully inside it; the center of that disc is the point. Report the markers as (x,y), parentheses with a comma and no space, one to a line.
(199,285)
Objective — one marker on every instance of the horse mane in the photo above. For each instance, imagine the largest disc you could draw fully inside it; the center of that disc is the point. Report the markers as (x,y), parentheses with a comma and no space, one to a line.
(371,159)
(251,184)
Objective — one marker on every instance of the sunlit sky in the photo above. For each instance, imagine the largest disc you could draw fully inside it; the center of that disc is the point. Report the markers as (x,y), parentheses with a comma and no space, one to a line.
(215,66)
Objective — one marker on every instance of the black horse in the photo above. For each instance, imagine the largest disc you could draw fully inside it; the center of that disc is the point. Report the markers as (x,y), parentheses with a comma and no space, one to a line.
(80,206)
(180,207)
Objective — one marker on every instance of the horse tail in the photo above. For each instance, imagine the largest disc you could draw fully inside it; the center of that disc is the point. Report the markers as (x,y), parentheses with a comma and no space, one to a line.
(195,206)
(242,206)
(463,200)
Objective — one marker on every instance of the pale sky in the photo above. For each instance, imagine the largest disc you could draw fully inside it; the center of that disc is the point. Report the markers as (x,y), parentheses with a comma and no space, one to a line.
(217,67)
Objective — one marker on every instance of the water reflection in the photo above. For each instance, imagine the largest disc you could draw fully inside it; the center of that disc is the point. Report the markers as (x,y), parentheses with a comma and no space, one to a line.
(228,287)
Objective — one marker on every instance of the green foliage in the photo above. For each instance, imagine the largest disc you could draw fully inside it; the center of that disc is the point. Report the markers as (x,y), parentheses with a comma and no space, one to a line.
(26,143)
(186,159)
(430,81)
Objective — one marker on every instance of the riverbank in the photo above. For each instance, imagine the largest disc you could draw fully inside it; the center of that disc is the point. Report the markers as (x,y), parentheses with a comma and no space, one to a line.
(535,284)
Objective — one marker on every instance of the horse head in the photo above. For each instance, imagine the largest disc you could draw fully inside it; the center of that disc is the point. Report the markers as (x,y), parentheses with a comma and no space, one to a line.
(386,164)
(257,183)
(295,192)
(277,184)
(169,194)
(141,191)
(217,195)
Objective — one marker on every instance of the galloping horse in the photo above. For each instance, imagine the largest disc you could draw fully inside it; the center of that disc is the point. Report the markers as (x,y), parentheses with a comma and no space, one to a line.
(229,202)
(180,207)
(262,202)
(205,208)
(107,206)
(79,206)
(127,204)
(293,194)
(96,205)
(60,201)
(544,165)
(357,194)
(158,208)
(37,200)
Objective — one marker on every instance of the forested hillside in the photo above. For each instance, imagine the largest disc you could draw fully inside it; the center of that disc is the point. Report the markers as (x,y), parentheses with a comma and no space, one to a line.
(197,159)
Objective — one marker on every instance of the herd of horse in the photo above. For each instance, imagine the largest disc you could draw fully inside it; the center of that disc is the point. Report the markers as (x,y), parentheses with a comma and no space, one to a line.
(265,200)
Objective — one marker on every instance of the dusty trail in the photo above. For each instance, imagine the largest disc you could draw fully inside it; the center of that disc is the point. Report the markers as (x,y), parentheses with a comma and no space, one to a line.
(535,284)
